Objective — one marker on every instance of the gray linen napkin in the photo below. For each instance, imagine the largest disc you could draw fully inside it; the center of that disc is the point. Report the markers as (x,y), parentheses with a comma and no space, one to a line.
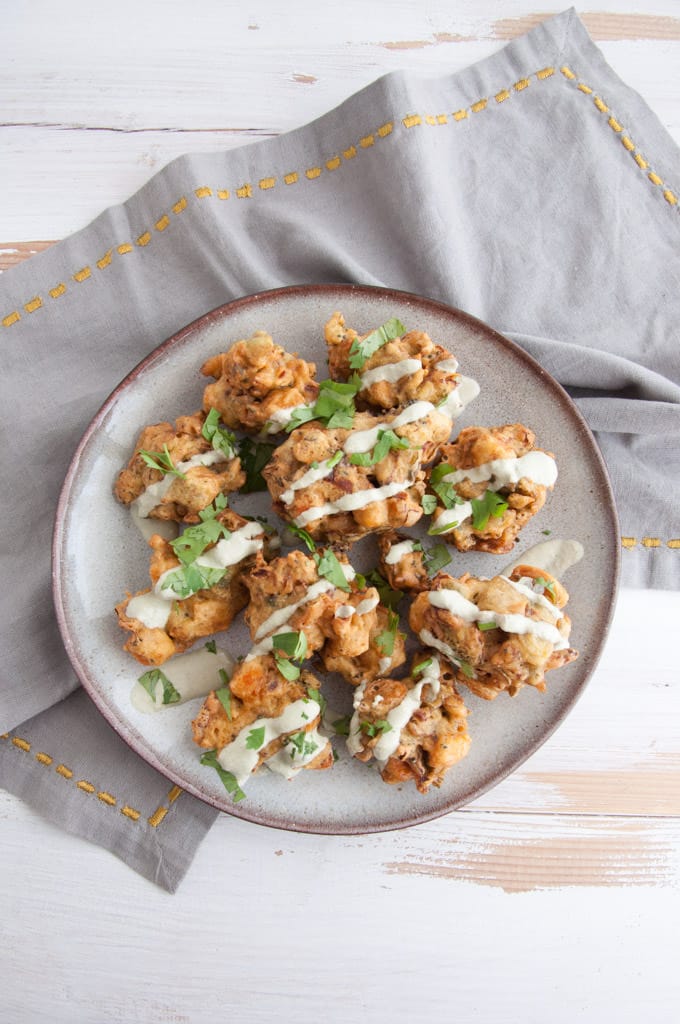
(534,190)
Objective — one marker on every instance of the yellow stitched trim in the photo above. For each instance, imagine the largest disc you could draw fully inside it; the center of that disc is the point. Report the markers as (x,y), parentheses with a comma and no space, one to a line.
(265,183)
(411,120)
(504,94)
(163,223)
(106,798)
(157,816)
(245,191)
(613,123)
(674,543)
(202,192)
(86,787)
(291,178)
(105,260)
(62,770)
(223,193)
(640,161)
(670,197)
(547,72)
(174,793)
(59,290)
(125,247)
(567,72)
(333,163)
(522,84)
(628,542)
(458,115)
(144,239)
(479,105)
(5,736)
(627,143)
(430,119)
(350,153)
(602,107)
(313,172)
(82,275)
(44,758)
(655,179)
(442,119)
(386,129)
(34,304)
(180,205)
(367,141)
(21,744)
(130,812)
(651,542)
(584,88)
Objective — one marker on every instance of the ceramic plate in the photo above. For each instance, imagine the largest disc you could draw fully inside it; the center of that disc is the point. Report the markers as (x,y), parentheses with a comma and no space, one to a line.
(99,554)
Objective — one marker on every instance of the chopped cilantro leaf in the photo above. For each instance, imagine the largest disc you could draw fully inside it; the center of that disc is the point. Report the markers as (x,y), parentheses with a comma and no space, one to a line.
(373,728)
(316,695)
(328,566)
(293,645)
(221,439)
(305,747)
(389,597)
(254,457)
(150,681)
(195,539)
(436,558)
(287,669)
(386,640)
(548,585)
(224,693)
(421,666)
(162,461)
(334,406)
(429,504)
(484,626)
(341,726)
(306,539)
(467,669)
(360,351)
(490,504)
(546,533)
(189,579)
(387,440)
(229,780)
(436,531)
(255,738)
(211,646)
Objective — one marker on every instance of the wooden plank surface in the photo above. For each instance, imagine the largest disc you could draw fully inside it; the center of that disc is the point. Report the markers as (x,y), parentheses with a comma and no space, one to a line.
(555,895)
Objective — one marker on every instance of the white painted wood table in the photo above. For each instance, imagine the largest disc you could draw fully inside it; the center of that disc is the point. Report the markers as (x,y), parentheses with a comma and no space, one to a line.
(555,896)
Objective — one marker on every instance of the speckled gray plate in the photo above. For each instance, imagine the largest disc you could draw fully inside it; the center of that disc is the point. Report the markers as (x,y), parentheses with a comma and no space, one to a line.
(99,555)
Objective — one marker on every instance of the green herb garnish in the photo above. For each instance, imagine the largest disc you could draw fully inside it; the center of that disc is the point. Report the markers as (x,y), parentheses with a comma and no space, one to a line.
(387,440)
(306,539)
(316,695)
(490,504)
(211,646)
(388,596)
(255,738)
(548,585)
(195,539)
(341,726)
(150,681)
(224,693)
(373,728)
(436,558)
(288,648)
(429,504)
(162,461)
(189,579)
(334,407)
(484,626)
(220,438)
(304,746)
(328,566)
(229,780)
(254,456)
(360,350)
(421,666)
(467,669)
(386,640)
(436,531)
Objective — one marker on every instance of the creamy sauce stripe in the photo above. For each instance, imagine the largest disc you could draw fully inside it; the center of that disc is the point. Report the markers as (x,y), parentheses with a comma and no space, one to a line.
(241,761)
(453,602)
(154,493)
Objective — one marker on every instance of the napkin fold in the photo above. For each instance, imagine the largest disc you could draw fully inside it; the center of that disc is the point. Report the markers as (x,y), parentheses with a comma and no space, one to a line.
(534,190)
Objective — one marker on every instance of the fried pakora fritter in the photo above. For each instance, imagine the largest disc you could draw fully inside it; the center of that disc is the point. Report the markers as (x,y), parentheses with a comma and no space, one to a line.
(195,471)
(368,648)
(258,385)
(264,718)
(499,634)
(403,563)
(187,602)
(407,369)
(339,485)
(416,728)
(489,483)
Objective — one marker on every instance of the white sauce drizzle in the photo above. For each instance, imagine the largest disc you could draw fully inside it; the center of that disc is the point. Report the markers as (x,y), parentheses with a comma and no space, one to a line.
(449,365)
(238,759)
(288,761)
(390,372)
(430,640)
(452,517)
(153,609)
(280,418)
(536,466)
(385,664)
(352,502)
(535,597)
(453,602)
(400,716)
(192,675)
(398,551)
(552,556)
(154,493)
(460,397)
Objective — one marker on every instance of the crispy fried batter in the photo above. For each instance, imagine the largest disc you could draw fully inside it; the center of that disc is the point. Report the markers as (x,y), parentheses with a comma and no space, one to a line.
(433,738)
(258,690)
(372,661)
(490,661)
(207,611)
(426,383)
(343,517)
(408,573)
(199,485)
(256,382)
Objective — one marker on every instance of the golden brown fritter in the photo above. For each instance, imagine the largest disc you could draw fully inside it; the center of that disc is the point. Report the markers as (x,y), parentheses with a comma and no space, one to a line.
(385,650)
(498,636)
(315,484)
(208,610)
(478,446)
(416,727)
(188,494)
(257,384)
(259,691)
(431,380)
(408,571)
